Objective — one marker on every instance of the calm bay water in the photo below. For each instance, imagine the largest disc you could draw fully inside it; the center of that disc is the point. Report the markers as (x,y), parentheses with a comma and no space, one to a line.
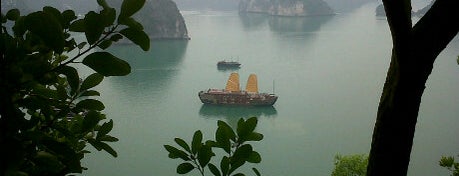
(328,73)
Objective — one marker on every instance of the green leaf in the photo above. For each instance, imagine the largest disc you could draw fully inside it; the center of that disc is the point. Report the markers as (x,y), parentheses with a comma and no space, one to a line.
(176,153)
(105,44)
(183,144)
(96,144)
(90,120)
(447,161)
(19,27)
(89,93)
(69,157)
(254,136)
(224,165)
(90,104)
(240,156)
(214,169)
(99,145)
(108,16)
(256,171)
(254,157)
(47,162)
(196,143)
(62,92)
(130,7)
(103,3)
(13,14)
(350,165)
(108,149)
(92,81)
(108,138)
(81,45)
(94,27)
(68,16)
(243,152)
(204,155)
(211,143)
(222,139)
(107,64)
(72,77)
(244,128)
(132,23)
(48,28)
(105,128)
(55,13)
(45,92)
(78,26)
(116,37)
(138,37)
(70,45)
(239,174)
(227,129)
(184,168)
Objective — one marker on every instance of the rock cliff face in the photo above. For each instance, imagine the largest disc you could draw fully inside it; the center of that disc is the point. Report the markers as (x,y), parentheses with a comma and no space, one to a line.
(380,10)
(421,12)
(162,20)
(286,7)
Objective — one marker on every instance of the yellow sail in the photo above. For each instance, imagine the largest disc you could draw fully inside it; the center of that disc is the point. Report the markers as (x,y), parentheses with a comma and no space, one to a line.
(252,85)
(233,83)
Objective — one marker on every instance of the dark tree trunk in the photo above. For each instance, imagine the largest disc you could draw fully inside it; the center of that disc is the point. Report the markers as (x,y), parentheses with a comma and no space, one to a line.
(414,52)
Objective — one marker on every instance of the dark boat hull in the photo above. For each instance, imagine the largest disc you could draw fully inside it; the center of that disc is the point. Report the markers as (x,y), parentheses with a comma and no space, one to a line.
(224,64)
(237,98)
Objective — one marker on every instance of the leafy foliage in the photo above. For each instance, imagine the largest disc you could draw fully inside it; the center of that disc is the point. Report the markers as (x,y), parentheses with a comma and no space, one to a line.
(450,164)
(355,165)
(48,113)
(199,154)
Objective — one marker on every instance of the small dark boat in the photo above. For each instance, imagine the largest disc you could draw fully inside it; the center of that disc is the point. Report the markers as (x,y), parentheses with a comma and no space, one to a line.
(232,95)
(228,64)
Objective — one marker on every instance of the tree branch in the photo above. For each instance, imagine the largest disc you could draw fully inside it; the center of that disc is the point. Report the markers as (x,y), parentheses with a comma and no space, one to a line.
(437,27)
(400,25)
(111,31)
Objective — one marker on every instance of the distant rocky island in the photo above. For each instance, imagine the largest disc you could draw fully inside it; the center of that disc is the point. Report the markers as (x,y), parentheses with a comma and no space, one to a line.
(161,19)
(381,12)
(286,7)
(338,6)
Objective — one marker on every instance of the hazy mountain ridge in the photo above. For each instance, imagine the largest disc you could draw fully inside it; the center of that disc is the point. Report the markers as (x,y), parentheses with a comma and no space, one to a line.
(420,12)
(232,5)
(341,6)
(286,7)
(27,6)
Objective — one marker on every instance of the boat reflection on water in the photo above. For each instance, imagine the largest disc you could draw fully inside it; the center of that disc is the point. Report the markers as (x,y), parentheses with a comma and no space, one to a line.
(231,114)
(227,69)
(217,111)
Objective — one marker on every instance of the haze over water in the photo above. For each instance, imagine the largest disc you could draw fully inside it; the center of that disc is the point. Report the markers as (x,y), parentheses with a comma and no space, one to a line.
(328,72)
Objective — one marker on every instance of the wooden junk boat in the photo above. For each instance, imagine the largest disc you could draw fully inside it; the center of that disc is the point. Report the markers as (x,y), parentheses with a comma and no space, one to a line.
(232,95)
(228,64)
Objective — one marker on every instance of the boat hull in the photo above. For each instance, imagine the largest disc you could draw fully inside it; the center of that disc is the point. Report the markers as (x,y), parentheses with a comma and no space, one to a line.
(237,98)
(232,64)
